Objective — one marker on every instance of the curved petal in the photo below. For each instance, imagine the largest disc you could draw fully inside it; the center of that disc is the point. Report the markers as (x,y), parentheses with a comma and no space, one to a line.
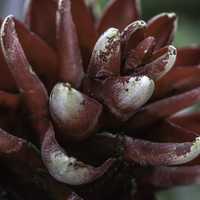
(149,153)
(31,88)
(163,28)
(138,56)
(70,62)
(165,177)
(129,11)
(9,100)
(154,112)
(39,54)
(188,56)
(41,19)
(189,121)
(122,95)
(132,35)
(178,80)
(74,113)
(84,21)
(105,60)
(161,63)
(22,159)
(35,97)
(67,169)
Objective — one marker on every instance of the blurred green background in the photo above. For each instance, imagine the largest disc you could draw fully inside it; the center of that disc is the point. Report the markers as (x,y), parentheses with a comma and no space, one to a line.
(188,33)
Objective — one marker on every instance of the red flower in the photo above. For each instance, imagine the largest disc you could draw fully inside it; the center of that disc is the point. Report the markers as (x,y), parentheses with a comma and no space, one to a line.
(101,75)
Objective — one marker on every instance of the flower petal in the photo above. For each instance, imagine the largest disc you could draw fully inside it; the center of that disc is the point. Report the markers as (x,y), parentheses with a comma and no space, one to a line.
(9,100)
(39,54)
(22,160)
(70,66)
(149,153)
(67,169)
(178,80)
(140,54)
(165,177)
(129,11)
(189,121)
(105,60)
(163,28)
(73,112)
(41,19)
(132,35)
(35,98)
(28,83)
(161,63)
(188,56)
(84,21)
(122,95)
(154,112)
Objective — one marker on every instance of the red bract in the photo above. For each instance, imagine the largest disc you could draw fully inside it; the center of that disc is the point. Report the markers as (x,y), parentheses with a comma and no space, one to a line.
(101,91)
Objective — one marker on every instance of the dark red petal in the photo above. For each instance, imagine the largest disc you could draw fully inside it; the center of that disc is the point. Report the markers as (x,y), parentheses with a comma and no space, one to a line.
(165,177)
(70,62)
(9,100)
(76,114)
(169,131)
(63,168)
(188,56)
(20,158)
(7,82)
(149,153)
(33,91)
(122,95)
(159,110)
(132,35)
(189,121)
(119,14)
(39,54)
(106,56)
(179,79)
(161,63)
(41,19)
(162,27)
(140,54)
(87,34)
(67,169)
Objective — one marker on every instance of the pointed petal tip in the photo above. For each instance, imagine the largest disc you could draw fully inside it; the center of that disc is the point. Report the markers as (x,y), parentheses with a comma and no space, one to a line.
(105,59)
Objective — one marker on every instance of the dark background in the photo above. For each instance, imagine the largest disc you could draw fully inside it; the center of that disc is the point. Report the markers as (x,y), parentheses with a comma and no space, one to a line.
(188,32)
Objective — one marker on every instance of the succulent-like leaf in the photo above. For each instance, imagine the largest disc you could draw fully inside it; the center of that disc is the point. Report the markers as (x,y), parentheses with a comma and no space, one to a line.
(84,21)
(122,95)
(70,62)
(106,56)
(41,19)
(35,98)
(178,80)
(39,54)
(161,63)
(132,35)
(163,28)
(68,169)
(21,158)
(26,80)
(139,56)
(119,14)
(73,112)
(165,177)
(149,153)
(188,56)
(9,100)
(154,112)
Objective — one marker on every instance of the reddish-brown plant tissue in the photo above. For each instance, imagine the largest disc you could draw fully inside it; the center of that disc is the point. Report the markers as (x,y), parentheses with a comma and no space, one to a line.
(96,108)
